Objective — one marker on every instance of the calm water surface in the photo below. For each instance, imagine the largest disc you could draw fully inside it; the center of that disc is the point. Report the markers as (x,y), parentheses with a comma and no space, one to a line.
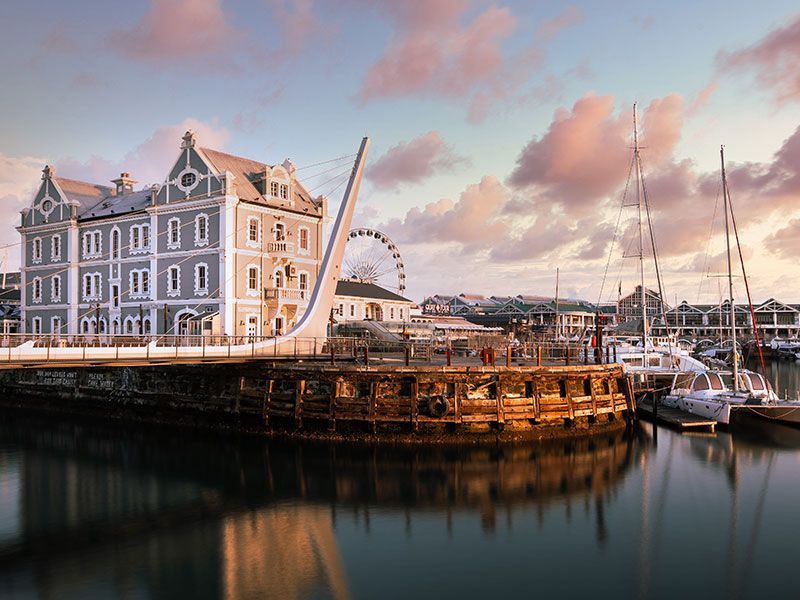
(92,510)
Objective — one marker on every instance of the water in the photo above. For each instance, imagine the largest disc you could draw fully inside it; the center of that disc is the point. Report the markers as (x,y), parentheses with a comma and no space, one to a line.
(94,510)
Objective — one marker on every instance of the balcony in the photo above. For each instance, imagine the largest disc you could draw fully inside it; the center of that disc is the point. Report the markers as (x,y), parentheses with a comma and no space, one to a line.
(281,249)
(286,295)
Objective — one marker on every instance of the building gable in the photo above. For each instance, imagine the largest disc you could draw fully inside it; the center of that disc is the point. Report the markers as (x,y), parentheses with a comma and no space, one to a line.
(192,175)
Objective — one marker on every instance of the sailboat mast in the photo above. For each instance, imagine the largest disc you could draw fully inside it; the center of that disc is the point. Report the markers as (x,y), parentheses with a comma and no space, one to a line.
(558,326)
(643,296)
(730,271)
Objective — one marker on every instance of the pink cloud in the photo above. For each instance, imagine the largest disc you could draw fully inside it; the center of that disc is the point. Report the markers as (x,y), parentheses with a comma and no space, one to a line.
(473,221)
(702,98)
(297,23)
(773,59)
(433,52)
(413,161)
(177,30)
(584,155)
(148,162)
(785,242)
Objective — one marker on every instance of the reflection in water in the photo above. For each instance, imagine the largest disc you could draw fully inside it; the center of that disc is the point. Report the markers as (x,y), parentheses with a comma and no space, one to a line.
(95,510)
(101,505)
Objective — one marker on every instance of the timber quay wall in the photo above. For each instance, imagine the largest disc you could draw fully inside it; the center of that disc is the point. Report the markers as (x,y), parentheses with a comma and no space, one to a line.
(392,403)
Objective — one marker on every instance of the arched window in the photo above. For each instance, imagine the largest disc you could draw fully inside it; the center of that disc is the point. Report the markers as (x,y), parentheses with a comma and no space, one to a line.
(115,243)
(278,278)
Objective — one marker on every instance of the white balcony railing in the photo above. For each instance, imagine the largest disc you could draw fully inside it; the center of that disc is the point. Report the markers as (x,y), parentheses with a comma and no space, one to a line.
(279,248)
(286,294)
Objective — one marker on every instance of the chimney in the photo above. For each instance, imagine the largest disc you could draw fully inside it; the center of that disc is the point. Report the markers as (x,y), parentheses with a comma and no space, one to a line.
(123,184)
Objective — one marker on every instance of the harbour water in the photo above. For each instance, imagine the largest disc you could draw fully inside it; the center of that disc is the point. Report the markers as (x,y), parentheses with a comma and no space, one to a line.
(90,509)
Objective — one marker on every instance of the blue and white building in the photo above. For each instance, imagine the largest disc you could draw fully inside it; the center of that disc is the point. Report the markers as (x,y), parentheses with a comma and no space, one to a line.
(224,246)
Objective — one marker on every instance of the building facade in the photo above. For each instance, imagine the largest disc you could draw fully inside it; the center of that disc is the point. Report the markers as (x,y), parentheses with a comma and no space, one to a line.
(225,246)
(357,301)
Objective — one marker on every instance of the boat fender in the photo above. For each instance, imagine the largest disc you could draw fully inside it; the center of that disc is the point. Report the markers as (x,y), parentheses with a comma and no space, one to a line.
(438,406)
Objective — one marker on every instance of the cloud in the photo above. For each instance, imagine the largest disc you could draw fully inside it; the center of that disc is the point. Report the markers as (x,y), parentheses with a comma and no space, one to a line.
(785,242)
(584,155)
(19,178)
(773,60)
(194,31)
(413,161)
(148,162)
(297,22)
(473,222)
(702,98)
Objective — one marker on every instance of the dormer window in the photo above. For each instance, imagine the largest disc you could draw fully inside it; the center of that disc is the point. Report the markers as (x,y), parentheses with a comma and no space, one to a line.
(284,191)
(275,188)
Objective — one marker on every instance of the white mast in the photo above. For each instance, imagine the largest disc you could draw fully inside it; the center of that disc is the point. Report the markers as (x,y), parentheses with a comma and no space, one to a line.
(726,206)
(643,296)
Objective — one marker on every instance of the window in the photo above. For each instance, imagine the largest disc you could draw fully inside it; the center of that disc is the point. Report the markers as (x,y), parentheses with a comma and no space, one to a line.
(174,233)
(201,230)
(55,324)
(92,244)
(201,279)
(55,247)
(36,250)
(278,277)
(55,288)
(391,313)
(284,191)
(253,283)
(115,298)
(341,309)
(188,179)
(140,238)
(92,289)
(174,281)
(280,232)
(278,326)
(275,188)
(36,325)
(253,231)
(302,280)
(115,243)
(139,280)
(36,289)
(352,310)
(401,314)
(303,235)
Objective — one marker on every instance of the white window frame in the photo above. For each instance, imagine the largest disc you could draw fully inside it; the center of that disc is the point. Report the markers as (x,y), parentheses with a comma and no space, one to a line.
(352,310)
(279,275)
(116,249)
(274,189)
(173,291)
(114,298)
(176,243)
(56,329)
(253,291)
(55,288)
(36,250)
(284,191)
(95,280)
(36,325)
(279,232)
(198,290)
(253,243)
(92,243)
(55,247)
(307,249)
(137,239)
(201,241)
(36,290)
(139,290)
(303,290)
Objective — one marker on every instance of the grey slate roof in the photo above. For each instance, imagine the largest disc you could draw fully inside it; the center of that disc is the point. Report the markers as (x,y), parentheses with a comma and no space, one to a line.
(116,205)
(358,289)
(85,194)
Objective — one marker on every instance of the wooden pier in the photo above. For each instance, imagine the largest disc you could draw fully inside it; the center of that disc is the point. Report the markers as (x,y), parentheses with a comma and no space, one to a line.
(676,418)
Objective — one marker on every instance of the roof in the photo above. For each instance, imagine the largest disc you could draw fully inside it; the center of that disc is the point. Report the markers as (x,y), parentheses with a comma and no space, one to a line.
(115,205)
(247,172)
(85,194)
(358,289)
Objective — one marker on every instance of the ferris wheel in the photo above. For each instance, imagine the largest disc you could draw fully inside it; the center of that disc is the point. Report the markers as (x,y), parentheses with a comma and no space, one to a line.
(371,257)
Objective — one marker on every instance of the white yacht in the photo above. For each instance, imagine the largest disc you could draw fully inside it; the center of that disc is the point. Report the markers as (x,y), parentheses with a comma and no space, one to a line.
(715,395)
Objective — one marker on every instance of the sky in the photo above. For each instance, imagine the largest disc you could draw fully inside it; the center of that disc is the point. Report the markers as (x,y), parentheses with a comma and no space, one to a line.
(501,132)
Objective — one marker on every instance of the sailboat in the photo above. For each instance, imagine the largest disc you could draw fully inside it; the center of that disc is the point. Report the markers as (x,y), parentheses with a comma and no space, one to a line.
(717,394)
(652,357)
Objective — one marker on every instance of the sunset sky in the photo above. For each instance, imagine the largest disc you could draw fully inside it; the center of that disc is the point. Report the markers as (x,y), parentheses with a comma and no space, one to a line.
(500,131)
